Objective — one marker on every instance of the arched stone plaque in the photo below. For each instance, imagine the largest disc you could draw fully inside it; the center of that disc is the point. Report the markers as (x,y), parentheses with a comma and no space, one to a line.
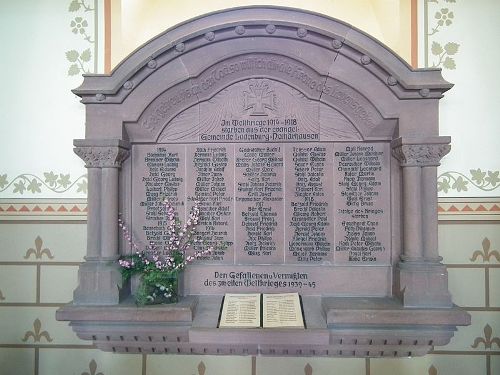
(312,149)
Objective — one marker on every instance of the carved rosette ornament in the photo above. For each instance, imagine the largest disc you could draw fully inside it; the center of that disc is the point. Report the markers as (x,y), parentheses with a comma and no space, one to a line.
(102,156)
(420,155)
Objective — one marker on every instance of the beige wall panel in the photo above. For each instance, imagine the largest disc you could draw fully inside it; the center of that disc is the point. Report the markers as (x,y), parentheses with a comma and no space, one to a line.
(64,242)
(467,286)
(57,283)
(135,22)
(458,242)
(495,287)
(208,365)
(18,284)
(17,361)
(34,325)
(442,364)
(317,366)
(475,336)
(80,361)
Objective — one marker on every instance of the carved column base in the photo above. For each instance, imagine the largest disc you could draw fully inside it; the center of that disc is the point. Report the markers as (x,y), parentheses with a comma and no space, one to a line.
(99,283)
(422,284)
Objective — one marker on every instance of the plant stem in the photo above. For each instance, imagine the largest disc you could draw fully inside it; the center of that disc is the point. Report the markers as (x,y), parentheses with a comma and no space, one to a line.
(87,38)
(434,31)
(81,66)
(441,56)
(87,8)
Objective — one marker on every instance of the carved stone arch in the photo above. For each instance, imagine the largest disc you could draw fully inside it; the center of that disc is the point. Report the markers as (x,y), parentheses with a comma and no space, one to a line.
(331,48)
(202,87)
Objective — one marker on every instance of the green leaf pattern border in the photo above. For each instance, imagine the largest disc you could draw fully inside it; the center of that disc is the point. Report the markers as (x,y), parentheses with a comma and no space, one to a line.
(30,183)
(81,61)
(456,181)
(61,183)
(443,52)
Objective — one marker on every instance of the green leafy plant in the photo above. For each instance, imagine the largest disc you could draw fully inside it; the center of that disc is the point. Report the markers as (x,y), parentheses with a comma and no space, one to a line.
(159,266)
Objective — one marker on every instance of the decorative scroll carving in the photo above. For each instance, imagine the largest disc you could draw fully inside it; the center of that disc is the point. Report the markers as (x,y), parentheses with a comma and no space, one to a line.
(420,155)
(102,156)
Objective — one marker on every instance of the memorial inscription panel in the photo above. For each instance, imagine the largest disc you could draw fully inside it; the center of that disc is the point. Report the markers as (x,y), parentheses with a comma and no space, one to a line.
(362,203)
(210,182)
(259,203)
(309,209)
(277,191)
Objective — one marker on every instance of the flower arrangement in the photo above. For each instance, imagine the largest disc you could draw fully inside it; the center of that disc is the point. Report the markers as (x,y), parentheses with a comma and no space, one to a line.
(157,267)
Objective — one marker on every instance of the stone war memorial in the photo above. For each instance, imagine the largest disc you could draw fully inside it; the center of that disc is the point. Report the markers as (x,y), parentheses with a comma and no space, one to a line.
(312,149)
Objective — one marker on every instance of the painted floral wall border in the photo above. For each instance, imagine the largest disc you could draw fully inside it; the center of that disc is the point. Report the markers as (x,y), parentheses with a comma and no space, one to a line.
(457,181)
(438,16)
(54,182)
(81,60)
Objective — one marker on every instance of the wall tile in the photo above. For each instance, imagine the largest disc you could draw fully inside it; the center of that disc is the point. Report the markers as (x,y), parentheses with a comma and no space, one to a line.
(57,283)
(34,325)
(18,284)
(467,286)
(198,365)
(495,364)
(458,242)
(79,361)
(318,366)
(495,287)
(17,361)
(430,365)
(64,242)
(466,337)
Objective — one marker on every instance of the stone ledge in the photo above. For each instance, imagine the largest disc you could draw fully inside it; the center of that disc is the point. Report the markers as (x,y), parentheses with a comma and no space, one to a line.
(129,312)
(387,311)
(336,327)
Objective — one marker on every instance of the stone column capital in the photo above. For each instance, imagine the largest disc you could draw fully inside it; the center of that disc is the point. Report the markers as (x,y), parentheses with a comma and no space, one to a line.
(420,152)
(102,153)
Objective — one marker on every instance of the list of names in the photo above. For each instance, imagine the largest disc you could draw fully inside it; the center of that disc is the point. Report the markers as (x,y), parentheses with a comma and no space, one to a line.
(361,202)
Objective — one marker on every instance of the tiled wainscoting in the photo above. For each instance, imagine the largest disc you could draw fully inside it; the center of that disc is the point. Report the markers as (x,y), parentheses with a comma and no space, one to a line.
(43,242)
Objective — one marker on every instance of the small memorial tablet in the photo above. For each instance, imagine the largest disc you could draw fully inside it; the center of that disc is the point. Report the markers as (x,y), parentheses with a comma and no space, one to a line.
(278,311)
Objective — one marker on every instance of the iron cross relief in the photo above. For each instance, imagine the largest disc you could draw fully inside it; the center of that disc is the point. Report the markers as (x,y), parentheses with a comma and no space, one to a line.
(259,99)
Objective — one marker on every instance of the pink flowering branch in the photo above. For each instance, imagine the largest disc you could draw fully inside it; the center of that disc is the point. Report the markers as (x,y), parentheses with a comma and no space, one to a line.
(180,239)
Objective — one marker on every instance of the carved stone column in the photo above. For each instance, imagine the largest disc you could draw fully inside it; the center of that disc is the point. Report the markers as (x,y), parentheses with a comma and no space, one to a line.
(421,280)
(99,278)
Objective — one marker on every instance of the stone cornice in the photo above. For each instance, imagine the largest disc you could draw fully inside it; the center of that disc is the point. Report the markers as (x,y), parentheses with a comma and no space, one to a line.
(260,22)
